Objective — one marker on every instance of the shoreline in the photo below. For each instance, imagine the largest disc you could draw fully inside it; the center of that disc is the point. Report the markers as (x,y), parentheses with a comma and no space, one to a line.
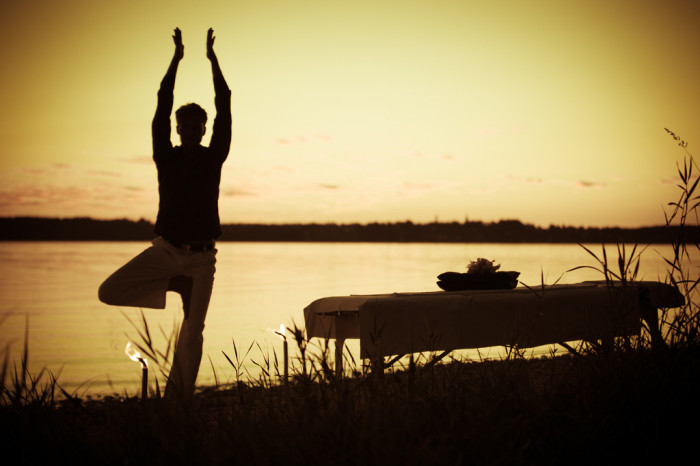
(504,231)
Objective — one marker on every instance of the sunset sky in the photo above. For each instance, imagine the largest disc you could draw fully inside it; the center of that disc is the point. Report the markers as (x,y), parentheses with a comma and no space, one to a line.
(547,111)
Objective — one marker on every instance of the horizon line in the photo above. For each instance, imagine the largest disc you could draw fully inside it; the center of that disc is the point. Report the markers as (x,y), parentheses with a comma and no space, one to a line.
(365,223)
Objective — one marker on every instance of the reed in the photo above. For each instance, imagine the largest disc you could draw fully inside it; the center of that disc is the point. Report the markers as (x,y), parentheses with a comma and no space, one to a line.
(19,387)
(682,326)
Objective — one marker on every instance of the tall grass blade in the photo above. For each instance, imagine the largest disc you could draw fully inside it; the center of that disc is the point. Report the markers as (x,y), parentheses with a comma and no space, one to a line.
(213,370)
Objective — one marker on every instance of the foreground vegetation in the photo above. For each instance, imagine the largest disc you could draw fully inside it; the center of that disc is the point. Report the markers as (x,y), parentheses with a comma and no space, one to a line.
(630,403)
(630,406)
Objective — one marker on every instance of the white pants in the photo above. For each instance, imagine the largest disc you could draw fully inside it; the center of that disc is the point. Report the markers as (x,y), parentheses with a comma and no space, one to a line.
(143,282)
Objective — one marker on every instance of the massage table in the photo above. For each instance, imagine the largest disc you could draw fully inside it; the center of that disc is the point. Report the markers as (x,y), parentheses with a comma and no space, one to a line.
(397,324)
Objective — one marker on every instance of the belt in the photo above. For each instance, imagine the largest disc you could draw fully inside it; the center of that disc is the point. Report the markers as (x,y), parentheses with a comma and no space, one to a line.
(198,246)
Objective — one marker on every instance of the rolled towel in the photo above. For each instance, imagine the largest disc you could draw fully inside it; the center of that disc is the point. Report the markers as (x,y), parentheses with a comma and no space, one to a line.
(454,281)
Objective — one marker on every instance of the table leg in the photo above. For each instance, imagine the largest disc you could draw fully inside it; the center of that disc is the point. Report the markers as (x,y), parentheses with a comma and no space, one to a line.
(378,365)
(339,344)
(650,315)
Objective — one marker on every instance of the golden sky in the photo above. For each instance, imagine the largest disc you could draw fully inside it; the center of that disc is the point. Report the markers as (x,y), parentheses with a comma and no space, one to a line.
(548,111)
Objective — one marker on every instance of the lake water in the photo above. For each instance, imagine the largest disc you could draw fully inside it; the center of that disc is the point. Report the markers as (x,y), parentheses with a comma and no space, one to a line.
(51,289)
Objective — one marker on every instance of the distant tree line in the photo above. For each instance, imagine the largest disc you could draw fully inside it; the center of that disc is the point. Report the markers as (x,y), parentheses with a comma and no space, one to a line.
(503,231)
(73,229)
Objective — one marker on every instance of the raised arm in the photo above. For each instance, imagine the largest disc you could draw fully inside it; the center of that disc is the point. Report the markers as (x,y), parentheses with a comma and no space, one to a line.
(220,86)
(161,121)
(221,134)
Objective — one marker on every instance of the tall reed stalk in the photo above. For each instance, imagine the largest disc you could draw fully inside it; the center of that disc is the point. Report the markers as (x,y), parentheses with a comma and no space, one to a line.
(682,327)
(19,387)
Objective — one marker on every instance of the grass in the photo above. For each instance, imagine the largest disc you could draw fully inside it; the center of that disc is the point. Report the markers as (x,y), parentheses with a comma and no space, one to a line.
(631,404)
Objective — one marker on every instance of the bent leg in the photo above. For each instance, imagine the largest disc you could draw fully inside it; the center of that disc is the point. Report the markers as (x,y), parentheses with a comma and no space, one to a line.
(141,282)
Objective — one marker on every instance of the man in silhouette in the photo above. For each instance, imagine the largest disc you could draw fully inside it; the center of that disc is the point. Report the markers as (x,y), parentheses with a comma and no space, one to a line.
(183,254)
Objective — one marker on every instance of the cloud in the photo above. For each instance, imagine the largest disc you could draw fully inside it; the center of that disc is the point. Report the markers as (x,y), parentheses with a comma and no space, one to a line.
(40,195)
(95,199)
(482,190)
(35,171)
(590,184)
(91,189)
(510,182)
(236,192)
(580,183)
(674,180)
(487,132)
(105,173)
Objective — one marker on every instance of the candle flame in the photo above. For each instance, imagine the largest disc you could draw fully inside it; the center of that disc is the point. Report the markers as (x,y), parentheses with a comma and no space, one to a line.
(282,332)
(134,354)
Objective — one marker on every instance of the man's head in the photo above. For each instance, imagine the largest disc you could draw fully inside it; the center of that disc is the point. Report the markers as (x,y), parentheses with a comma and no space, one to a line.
(191,120)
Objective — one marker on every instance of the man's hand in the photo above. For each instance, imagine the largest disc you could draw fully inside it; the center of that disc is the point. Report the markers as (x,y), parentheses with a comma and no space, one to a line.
(210,44)
(179,48)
